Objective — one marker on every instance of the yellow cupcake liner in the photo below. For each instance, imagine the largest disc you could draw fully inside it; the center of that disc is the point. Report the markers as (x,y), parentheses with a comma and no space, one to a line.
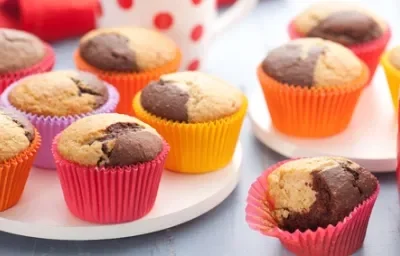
(393,79)
(199,147)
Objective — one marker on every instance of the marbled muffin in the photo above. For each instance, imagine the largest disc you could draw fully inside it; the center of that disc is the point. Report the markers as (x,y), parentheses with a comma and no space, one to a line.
(344,23)
(126,49)
(316,192)
(312,62)
(191,97)
(16,134)
(19,50)
(109,140)
(59,93)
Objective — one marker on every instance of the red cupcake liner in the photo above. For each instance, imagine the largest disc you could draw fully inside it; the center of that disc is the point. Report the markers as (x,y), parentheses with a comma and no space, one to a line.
(341,240)
(370,52)
(46,64)
(109,195)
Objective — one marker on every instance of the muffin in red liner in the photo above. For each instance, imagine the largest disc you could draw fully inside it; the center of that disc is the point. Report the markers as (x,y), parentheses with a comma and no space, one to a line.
(110,167)
(343,238)
(351,25)
(22,54)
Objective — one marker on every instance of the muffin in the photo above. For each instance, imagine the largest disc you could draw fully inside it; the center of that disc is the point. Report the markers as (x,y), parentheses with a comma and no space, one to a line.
(19,142)
(348,24)
(391,65)
(128,58)
(22,54)
(54,100)
(314,205)
(311,86)
(199,115)
(119,158)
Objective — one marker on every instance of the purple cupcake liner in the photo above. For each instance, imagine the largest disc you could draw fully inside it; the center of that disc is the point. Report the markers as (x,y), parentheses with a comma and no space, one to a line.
(49,126)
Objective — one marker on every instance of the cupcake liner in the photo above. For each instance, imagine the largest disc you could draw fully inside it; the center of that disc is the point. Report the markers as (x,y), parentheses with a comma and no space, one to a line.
(343,239)
(14,173)
(43,66)
(128,84)
(49,126)
(369,52)
(311,112)
(198,147)
(110,195)
(393,78)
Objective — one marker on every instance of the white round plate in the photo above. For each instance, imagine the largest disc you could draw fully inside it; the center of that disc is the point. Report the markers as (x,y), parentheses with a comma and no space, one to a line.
(370,139)
(42,213)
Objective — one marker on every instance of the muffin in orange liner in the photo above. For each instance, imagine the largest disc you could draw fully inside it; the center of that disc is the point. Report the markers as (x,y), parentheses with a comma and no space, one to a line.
(19,143)
(311,87)
(391,64)
(128,58)
(200,117)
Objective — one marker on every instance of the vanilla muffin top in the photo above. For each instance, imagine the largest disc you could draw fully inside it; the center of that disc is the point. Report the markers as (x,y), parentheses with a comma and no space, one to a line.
(109,140)
(191,97)
(19,50)
(394,57)
(344,23)
(16,134)
(129,49)
(59,93)
(312,62)
(314,192)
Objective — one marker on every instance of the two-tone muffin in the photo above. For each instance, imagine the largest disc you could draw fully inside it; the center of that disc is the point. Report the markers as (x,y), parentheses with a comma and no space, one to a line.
(19,142)
(305,80)
(121,160)
(315,206)
(199,115)
(128,58)
(53,100)
(391,65)
(22,54)
(351,25)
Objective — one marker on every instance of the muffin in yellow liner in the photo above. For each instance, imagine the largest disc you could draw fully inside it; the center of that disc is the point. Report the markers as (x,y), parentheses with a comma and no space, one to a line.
(200,117)
(391,64)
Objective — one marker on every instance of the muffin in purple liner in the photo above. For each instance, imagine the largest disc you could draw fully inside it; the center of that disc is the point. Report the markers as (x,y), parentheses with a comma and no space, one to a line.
(52,101)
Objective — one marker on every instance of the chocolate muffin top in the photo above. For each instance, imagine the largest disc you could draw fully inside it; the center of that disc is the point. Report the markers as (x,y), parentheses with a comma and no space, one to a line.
(311,62)
(109,140)
(314,192)
(344,23)
(16,134)
(394,57)
(59,93)
(130,49)
(191,97)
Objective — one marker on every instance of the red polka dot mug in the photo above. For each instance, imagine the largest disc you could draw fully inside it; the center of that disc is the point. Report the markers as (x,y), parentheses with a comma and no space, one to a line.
(191,23)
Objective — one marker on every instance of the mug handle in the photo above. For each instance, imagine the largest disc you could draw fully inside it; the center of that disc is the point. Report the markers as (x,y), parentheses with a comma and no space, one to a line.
(237,11)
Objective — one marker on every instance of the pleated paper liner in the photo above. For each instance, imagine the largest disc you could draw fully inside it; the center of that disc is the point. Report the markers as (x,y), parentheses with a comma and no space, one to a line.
(198,147)
(343,239)
(128,84)
(46,64)
(393,78)
(50,126)
(14,173)
(369,52)
(110,195)
(311,112)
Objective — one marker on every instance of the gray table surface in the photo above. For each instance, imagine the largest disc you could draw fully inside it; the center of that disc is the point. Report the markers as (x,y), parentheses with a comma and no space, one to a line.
(223,231)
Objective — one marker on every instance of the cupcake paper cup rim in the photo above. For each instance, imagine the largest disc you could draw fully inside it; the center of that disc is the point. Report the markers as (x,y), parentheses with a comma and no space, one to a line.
(280,233)
(387,64)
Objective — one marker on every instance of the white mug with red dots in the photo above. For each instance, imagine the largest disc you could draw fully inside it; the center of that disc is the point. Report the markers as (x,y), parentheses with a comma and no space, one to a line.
(192,24)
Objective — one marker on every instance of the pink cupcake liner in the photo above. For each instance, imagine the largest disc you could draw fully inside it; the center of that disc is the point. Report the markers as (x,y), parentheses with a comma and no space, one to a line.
(45,65)
(110,195)
(370,52)
(49,126)
(341,240)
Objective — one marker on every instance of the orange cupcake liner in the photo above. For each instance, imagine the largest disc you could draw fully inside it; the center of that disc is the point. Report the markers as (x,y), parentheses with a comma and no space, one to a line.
(128,84)
(14,173)
(311,112)
(199,147)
